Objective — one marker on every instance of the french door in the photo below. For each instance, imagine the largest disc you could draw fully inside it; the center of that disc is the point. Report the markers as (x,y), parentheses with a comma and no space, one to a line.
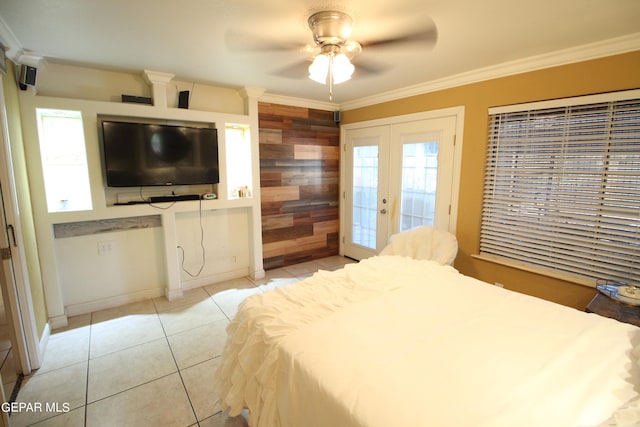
(14,285)
(397,176)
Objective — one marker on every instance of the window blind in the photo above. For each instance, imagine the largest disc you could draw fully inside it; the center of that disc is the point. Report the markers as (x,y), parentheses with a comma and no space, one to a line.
(562,189)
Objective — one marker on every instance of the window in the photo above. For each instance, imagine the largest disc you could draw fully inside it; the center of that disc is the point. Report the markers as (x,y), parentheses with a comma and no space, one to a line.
(562,188)
(64,160)
(238,145)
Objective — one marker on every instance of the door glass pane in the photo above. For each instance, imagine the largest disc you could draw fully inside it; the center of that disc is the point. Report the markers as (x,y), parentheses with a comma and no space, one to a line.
(365,195)
(419,179)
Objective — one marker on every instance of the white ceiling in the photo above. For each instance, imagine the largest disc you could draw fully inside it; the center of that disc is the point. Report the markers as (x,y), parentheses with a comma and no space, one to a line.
(197,40)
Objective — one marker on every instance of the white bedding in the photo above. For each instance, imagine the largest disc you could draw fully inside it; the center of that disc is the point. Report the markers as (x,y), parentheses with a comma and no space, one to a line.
(395,341)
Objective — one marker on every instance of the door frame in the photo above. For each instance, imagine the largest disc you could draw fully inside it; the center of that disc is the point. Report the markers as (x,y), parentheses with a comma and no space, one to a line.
(382,137)
(29,349)
(457,112)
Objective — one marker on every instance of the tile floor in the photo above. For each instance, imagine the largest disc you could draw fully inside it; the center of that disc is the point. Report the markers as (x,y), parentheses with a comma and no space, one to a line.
(149,363)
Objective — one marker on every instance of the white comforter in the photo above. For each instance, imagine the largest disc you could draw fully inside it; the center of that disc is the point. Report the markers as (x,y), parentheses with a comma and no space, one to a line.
(393,341)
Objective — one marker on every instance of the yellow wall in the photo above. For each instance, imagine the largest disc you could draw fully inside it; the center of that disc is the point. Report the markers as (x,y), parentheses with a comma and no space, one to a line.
(10,88)
(620,72)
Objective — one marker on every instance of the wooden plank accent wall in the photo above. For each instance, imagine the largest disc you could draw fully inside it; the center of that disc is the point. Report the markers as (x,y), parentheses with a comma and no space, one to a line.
(299,182)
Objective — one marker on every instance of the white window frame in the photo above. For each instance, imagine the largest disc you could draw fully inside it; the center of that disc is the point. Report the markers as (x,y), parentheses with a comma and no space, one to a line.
(583,225)
(65,170)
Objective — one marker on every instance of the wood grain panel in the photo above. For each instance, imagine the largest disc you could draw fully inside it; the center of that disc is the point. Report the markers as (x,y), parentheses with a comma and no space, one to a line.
(318,192)
(299,179)
(271,208)
(279,194)
(273,179)
(287,233)
(325,227)
(276,151)
(270,136)
(314,152)
(266,109)
(275,249)
(277,221)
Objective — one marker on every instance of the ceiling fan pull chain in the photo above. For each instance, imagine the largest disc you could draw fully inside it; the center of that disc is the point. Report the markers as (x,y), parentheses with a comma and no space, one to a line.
(331,77)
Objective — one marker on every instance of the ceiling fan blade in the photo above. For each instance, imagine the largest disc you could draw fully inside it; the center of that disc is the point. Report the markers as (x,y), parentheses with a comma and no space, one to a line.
(245,42)
(428,35)
(299,70)
(367,68)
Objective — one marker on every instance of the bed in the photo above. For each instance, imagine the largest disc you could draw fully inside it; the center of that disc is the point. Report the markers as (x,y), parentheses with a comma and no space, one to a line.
(396,341)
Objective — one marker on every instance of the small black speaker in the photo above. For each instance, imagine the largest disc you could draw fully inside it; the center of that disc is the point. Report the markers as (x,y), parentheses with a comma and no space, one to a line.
(336,117)
(27,76)
(183,99)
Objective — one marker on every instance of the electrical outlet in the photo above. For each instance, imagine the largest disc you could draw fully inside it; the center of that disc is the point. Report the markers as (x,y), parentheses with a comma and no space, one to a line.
(105,247)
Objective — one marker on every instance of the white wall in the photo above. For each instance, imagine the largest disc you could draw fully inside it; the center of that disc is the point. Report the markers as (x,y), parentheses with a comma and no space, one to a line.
(225,235)
(144,263)
(134,265)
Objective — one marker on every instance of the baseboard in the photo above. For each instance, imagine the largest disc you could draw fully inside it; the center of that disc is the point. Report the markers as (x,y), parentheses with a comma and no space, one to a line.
(216,278)
(91,306)
(58,322)
(258,274)
(173,294)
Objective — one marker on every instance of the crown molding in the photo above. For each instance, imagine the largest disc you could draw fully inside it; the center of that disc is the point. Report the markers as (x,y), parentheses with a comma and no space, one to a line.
(10,41)
(299,102)
(251,92)
(586,52)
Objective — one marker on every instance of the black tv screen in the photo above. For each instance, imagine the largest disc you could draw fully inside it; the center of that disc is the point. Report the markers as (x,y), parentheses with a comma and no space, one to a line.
(145,154)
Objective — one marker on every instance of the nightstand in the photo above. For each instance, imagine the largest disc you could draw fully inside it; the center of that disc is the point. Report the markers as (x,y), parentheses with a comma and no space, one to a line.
(605,306)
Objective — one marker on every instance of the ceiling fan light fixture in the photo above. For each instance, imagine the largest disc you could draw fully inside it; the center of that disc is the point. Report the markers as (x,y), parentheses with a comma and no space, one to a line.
(342,69)
(332,66)
(319,69)
(337,68)
(352,48)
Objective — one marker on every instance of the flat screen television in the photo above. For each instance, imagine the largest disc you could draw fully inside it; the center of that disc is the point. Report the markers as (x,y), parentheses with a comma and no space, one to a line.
(150,154)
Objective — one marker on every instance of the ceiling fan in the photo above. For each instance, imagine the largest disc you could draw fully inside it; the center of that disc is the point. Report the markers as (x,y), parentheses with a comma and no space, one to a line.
(334,53)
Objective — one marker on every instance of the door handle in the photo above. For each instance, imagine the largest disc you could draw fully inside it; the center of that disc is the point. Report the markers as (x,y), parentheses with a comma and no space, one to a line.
(13,234)
(383,211)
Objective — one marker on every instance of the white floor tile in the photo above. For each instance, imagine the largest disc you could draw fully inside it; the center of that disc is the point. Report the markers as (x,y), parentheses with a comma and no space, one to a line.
(334,262)
(190,297)
(124,369)
(66,348)
(239,283)
(228,301)
(198,381)
(189,317)
(222,419)
(74,322)
(275,274)
(65,386)
(124,332)
(134,309)
(199,344)
(302,269)
(162,402)
(74,418)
